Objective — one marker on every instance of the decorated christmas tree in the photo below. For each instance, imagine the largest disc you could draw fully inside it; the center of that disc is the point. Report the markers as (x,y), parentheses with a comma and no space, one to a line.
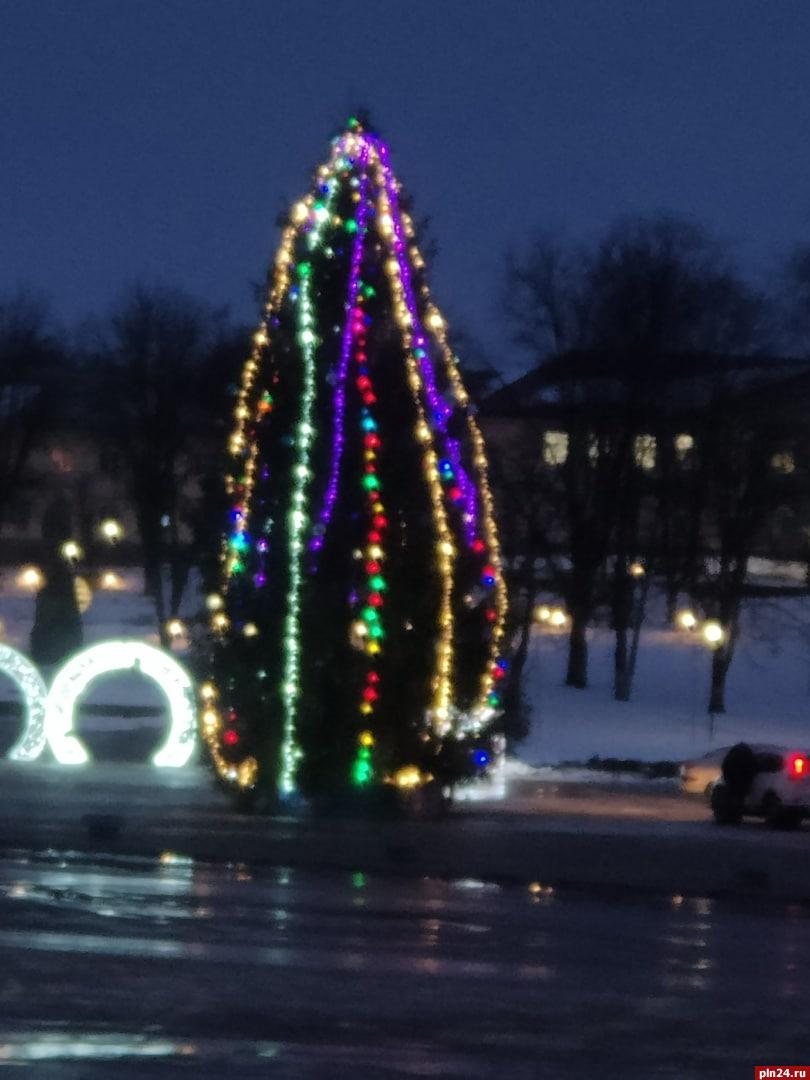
(357,637)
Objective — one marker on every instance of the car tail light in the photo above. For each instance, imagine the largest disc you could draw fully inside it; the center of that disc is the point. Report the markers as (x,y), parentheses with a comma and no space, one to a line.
(798,766)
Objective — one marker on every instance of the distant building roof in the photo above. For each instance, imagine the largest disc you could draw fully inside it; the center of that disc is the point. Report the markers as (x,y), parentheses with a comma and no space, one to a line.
(685,381)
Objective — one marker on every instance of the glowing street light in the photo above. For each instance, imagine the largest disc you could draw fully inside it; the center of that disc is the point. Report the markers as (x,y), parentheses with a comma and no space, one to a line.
(636,570)
(687,620)
(713,633)
(111,530)
(31,577)
(71,551)
(551,616)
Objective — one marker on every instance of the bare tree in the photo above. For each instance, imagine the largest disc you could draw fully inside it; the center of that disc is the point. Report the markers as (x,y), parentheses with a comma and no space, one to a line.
(666,301)
(162,396)
(741,437)
(545,299)
(795,302)
(521,506)
(30,360)
(611,330)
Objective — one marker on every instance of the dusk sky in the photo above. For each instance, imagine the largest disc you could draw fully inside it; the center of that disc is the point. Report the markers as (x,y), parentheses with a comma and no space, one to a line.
(158,140)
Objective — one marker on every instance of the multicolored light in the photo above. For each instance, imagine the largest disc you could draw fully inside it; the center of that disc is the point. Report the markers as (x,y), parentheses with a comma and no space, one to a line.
(335,379)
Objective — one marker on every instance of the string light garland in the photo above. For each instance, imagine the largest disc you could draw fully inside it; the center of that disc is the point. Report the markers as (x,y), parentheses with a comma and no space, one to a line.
(350,378)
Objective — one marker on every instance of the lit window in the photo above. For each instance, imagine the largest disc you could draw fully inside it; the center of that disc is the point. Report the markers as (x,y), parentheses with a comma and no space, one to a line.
(783,463)
(555,447)
(684,444)
(644,451)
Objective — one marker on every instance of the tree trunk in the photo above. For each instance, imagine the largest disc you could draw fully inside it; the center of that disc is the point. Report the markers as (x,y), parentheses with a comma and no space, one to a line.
(180,568)
(577,674)
(721,660)
(516,714)
(622,676)
(626,670)
(516,718)
(622,615)
(154,587)
(636,637)
(672,603)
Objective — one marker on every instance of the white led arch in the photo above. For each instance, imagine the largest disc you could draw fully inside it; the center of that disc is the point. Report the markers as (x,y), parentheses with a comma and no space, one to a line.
(21,671)
(103,658)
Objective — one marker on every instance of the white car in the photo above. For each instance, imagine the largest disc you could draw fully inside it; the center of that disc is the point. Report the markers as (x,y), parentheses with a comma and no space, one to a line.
(699,775)
(768,782)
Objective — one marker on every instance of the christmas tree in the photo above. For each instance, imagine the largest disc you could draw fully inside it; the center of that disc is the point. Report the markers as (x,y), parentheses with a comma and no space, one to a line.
(357,637)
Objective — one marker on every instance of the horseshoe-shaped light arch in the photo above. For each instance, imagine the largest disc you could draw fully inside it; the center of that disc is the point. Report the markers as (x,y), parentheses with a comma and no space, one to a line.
(106,657)
(21,671)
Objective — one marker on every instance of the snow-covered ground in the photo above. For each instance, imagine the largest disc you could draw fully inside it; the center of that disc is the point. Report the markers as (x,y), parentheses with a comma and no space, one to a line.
(768,695)
(118,608)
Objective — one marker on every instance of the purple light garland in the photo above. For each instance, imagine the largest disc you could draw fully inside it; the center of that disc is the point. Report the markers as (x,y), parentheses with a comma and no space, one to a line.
(338,439)
(440,409)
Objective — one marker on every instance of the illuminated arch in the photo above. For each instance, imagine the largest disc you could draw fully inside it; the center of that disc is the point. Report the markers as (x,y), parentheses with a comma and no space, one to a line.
(34,691)
(103,658)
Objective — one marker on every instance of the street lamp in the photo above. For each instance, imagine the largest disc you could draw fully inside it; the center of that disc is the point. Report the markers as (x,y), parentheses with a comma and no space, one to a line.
(110,530)
(71,551)
(713,633)
(687,620)
(31,577)
(554,617)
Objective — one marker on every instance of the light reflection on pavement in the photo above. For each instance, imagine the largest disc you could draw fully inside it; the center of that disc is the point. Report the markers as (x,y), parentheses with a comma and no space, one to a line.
(128,967)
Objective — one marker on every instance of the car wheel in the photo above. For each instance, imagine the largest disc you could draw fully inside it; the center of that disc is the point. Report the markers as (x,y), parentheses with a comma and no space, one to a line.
(778,816)
(726,807)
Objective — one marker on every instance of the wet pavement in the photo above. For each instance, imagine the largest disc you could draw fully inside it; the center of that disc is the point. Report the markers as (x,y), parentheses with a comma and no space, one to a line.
(124,967)
(647,837)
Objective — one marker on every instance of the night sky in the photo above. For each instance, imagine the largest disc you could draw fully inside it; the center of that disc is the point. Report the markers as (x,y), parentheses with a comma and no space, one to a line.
(158,140)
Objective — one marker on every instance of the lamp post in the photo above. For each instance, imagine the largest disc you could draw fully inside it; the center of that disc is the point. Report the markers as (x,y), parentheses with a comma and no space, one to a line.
(715,636)
(111,530)
(31,577)
(687,619)
(71,552)
(713,633)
